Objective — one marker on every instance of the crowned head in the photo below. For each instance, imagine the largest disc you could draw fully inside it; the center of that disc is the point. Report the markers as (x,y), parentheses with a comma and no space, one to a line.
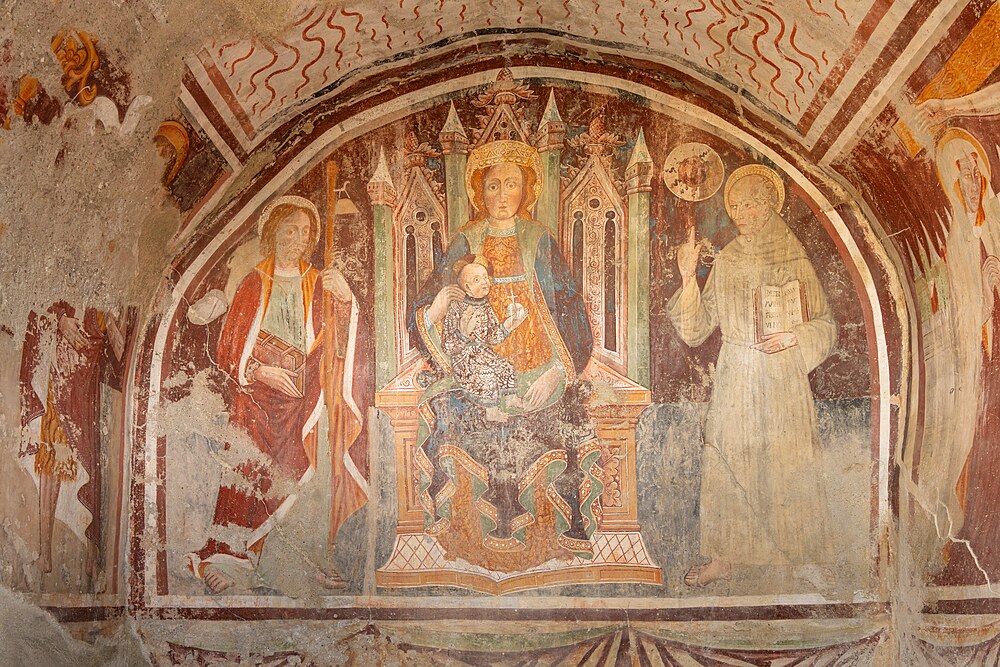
(504,179)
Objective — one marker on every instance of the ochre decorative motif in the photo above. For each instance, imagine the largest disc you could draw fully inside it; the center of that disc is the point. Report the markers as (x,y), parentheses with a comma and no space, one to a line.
(174,144)
(974,60)
(611,462)
(79,60)
(27,89)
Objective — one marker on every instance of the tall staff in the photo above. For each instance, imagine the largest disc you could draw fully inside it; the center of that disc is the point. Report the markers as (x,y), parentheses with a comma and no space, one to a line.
(329,311)
(345,425)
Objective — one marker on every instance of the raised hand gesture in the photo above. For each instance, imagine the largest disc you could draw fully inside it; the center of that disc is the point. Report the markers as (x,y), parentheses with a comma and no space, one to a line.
(687,257)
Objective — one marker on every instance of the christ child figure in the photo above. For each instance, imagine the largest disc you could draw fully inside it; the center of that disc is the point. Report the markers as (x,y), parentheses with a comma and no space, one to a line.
(471,329)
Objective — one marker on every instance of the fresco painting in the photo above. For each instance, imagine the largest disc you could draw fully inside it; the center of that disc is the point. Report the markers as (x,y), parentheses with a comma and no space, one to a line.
(71,381)
(641,335)
(763,294)
(281,349)
(510,413)
(947,138)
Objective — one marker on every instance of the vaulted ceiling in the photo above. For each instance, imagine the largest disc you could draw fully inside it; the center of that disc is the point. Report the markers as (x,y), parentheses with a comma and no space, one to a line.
(828,86)
(815,71)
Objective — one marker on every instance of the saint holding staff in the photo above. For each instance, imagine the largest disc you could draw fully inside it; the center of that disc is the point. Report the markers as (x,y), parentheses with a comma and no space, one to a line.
(272,348)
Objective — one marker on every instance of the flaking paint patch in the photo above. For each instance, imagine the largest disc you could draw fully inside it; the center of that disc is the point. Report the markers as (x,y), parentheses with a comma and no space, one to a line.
(33,637)
(91,197)
(85,220)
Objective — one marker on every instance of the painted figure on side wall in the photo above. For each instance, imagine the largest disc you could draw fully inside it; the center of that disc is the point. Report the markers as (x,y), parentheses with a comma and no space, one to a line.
(937,112)
(508,484)
(285,316)
(964,483)
(974,276)
(762,500)
(68,353)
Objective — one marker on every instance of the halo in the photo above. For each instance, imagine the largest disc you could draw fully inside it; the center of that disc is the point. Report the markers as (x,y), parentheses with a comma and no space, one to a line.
(756,170)
(294,200)
(505,151)
(176,135)
(949,148)
(672,177)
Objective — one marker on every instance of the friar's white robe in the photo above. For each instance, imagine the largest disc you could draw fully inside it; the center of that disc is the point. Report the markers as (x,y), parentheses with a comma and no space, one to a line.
(762,493)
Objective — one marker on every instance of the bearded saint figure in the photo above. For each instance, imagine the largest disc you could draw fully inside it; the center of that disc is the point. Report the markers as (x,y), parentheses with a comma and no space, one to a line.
(271,349)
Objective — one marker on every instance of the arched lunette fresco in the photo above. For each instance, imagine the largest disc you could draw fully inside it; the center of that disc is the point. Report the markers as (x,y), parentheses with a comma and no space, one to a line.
(307,175)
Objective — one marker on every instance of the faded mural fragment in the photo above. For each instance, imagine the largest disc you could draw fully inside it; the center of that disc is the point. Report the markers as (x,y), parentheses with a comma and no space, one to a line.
(948,137)
(72,366)
(964,169)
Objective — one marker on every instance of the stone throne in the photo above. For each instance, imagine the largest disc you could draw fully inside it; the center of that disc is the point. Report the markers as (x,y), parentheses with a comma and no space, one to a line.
(602,223)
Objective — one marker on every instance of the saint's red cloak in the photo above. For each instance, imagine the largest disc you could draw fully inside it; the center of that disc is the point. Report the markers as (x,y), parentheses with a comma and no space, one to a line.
(283,428)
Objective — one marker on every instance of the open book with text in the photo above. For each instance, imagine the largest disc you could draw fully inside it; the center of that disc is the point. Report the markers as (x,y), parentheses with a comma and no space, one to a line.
(778,308)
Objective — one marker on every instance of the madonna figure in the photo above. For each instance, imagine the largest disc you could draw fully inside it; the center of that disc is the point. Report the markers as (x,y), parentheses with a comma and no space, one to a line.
(512,494)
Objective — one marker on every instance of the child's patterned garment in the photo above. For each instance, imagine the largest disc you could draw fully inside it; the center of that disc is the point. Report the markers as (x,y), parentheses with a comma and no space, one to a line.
(471,327)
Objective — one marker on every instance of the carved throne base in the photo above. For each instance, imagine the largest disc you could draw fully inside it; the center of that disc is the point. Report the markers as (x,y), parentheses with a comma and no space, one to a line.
(620,555)
(419,560)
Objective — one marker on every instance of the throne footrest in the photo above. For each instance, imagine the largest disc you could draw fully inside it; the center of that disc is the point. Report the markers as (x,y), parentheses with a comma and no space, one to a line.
(419,560)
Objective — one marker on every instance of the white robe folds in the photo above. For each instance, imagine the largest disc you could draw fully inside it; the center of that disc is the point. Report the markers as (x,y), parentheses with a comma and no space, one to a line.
(762,494)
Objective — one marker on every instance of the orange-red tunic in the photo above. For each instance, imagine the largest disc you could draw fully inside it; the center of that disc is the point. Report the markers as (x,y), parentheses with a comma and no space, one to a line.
(527,346)
(283,428)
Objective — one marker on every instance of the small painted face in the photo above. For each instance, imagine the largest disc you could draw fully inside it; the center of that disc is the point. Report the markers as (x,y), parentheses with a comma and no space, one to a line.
(503,189)
(475,280)
(291,239)
(971,181)
(750,206)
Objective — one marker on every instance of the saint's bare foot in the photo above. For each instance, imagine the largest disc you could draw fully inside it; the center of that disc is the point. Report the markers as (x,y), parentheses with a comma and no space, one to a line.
(703,575)
(330,579)
(217,581)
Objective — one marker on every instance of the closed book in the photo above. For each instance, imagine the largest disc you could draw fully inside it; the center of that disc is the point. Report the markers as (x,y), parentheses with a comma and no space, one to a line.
(269,350)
